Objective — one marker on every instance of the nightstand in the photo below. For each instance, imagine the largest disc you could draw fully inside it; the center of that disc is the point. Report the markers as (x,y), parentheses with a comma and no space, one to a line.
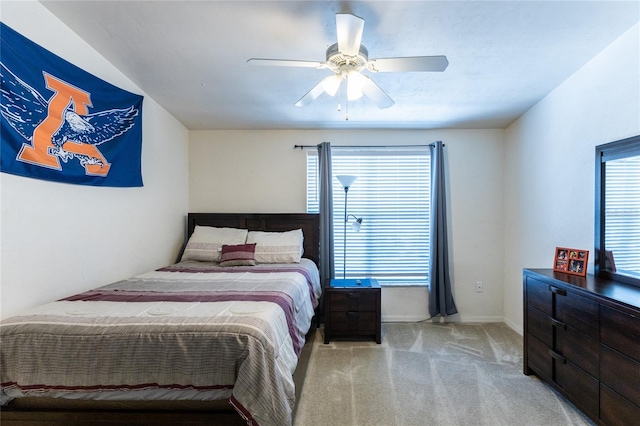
(352,309)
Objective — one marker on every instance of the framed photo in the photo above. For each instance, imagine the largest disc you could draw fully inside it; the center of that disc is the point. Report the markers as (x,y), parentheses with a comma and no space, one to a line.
(571,261)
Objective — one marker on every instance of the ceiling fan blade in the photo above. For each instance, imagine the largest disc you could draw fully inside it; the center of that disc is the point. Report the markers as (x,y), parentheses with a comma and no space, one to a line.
(375,93)
(286,63)
(415,63)
(311,95)
(349,29)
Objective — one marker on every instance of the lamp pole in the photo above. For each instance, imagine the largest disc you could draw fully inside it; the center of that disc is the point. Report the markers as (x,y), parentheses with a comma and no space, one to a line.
(346,182)
(344,245)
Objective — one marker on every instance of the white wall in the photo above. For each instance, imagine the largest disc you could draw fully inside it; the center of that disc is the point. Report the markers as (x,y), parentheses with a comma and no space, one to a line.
(59,239)
(259,171)
(550,162)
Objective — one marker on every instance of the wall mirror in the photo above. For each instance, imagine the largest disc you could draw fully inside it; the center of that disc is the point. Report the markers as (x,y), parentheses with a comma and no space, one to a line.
(617,215)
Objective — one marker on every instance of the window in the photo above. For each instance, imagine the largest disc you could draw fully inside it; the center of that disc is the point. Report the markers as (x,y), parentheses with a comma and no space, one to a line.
(392,195)
(618,210)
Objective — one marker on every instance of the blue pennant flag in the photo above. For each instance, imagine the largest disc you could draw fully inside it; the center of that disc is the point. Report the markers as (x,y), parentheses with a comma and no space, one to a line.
(61,123)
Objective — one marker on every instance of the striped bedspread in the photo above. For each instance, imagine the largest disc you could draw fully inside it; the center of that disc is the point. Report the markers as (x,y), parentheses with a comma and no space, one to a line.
(192,330)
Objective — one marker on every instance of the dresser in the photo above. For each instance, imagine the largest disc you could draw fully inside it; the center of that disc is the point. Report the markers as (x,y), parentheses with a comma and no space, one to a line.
(582,337)
(352,309)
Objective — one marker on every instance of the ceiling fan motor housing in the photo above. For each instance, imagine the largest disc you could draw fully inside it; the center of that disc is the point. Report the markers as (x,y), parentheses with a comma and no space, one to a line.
(339,62)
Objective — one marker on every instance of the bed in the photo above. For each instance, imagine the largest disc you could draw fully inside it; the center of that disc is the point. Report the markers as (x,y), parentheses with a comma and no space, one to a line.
(226,325)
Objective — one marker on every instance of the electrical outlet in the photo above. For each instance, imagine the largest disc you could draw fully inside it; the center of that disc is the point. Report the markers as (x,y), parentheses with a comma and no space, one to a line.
(479,287)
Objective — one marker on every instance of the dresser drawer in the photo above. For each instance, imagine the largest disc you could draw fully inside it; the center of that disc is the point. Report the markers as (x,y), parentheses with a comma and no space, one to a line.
(578,348)
(539,296)
(620,373)
(615,410)
(579,386)
(539,325)
(352,301)
(579,313)
(566,306)
(539,360)
(575,346)
(582,388)
(620,331)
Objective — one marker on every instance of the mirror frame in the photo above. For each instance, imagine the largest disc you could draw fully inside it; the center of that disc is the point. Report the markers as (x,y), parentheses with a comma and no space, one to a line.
(623,148)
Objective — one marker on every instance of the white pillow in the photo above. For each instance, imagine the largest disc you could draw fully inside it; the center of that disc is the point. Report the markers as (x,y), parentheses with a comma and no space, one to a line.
(277,247)
(205,244)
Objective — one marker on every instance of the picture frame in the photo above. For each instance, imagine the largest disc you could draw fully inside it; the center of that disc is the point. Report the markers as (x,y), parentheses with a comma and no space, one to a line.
(571,261)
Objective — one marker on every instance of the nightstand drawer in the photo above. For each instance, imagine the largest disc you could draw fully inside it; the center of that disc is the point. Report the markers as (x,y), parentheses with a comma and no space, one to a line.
(349,301)
(353,321)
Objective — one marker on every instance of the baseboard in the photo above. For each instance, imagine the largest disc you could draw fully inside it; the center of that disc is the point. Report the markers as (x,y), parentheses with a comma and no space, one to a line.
(403,318)
(518,328)
(452,318)
(480,318)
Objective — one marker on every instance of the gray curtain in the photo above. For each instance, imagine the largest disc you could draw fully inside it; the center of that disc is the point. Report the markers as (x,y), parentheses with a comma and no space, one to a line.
(327,261)
(440,297)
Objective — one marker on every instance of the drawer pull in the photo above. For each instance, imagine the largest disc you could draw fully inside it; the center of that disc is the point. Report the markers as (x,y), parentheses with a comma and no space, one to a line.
(555,355)
(558,291)
(554,322)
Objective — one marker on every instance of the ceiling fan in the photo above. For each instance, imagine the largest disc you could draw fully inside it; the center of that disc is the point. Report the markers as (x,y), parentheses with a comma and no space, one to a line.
(347,58)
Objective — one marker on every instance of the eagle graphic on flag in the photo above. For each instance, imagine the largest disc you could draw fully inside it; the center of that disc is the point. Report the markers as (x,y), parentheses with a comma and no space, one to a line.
(25,109)
(41,136)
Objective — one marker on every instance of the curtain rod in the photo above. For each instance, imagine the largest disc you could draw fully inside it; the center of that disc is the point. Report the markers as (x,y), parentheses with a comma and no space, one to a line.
(301,147)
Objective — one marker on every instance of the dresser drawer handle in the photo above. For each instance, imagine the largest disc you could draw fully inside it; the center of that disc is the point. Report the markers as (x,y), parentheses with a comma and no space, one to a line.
(558,291)
(554,322)
(557,356)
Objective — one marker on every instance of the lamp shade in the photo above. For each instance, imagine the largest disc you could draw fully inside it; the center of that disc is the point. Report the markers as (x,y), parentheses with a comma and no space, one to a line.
(346,180)
(356,225)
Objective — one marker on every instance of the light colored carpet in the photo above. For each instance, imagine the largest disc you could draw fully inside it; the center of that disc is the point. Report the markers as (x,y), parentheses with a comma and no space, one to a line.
(428,374)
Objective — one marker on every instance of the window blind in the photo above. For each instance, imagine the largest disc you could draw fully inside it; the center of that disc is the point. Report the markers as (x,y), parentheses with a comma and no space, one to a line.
(622,213)
(391,194)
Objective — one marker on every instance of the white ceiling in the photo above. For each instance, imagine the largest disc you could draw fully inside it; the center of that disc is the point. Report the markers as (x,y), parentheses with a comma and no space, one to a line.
(190,56)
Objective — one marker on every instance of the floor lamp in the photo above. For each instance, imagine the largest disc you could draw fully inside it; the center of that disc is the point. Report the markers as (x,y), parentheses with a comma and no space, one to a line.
(347,181)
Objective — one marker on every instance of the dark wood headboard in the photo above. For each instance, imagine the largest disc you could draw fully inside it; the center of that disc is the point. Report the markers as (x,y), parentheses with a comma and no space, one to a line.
(268,222)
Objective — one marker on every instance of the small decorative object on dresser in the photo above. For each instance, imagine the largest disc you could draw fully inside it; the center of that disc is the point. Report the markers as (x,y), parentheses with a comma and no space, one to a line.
(609,263)
(352,309)
(571,261)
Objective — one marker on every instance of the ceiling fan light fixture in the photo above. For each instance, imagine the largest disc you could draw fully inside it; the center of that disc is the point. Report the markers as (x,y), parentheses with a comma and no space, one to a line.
(331,84)
(347,58)
(353,94)
(355,83)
